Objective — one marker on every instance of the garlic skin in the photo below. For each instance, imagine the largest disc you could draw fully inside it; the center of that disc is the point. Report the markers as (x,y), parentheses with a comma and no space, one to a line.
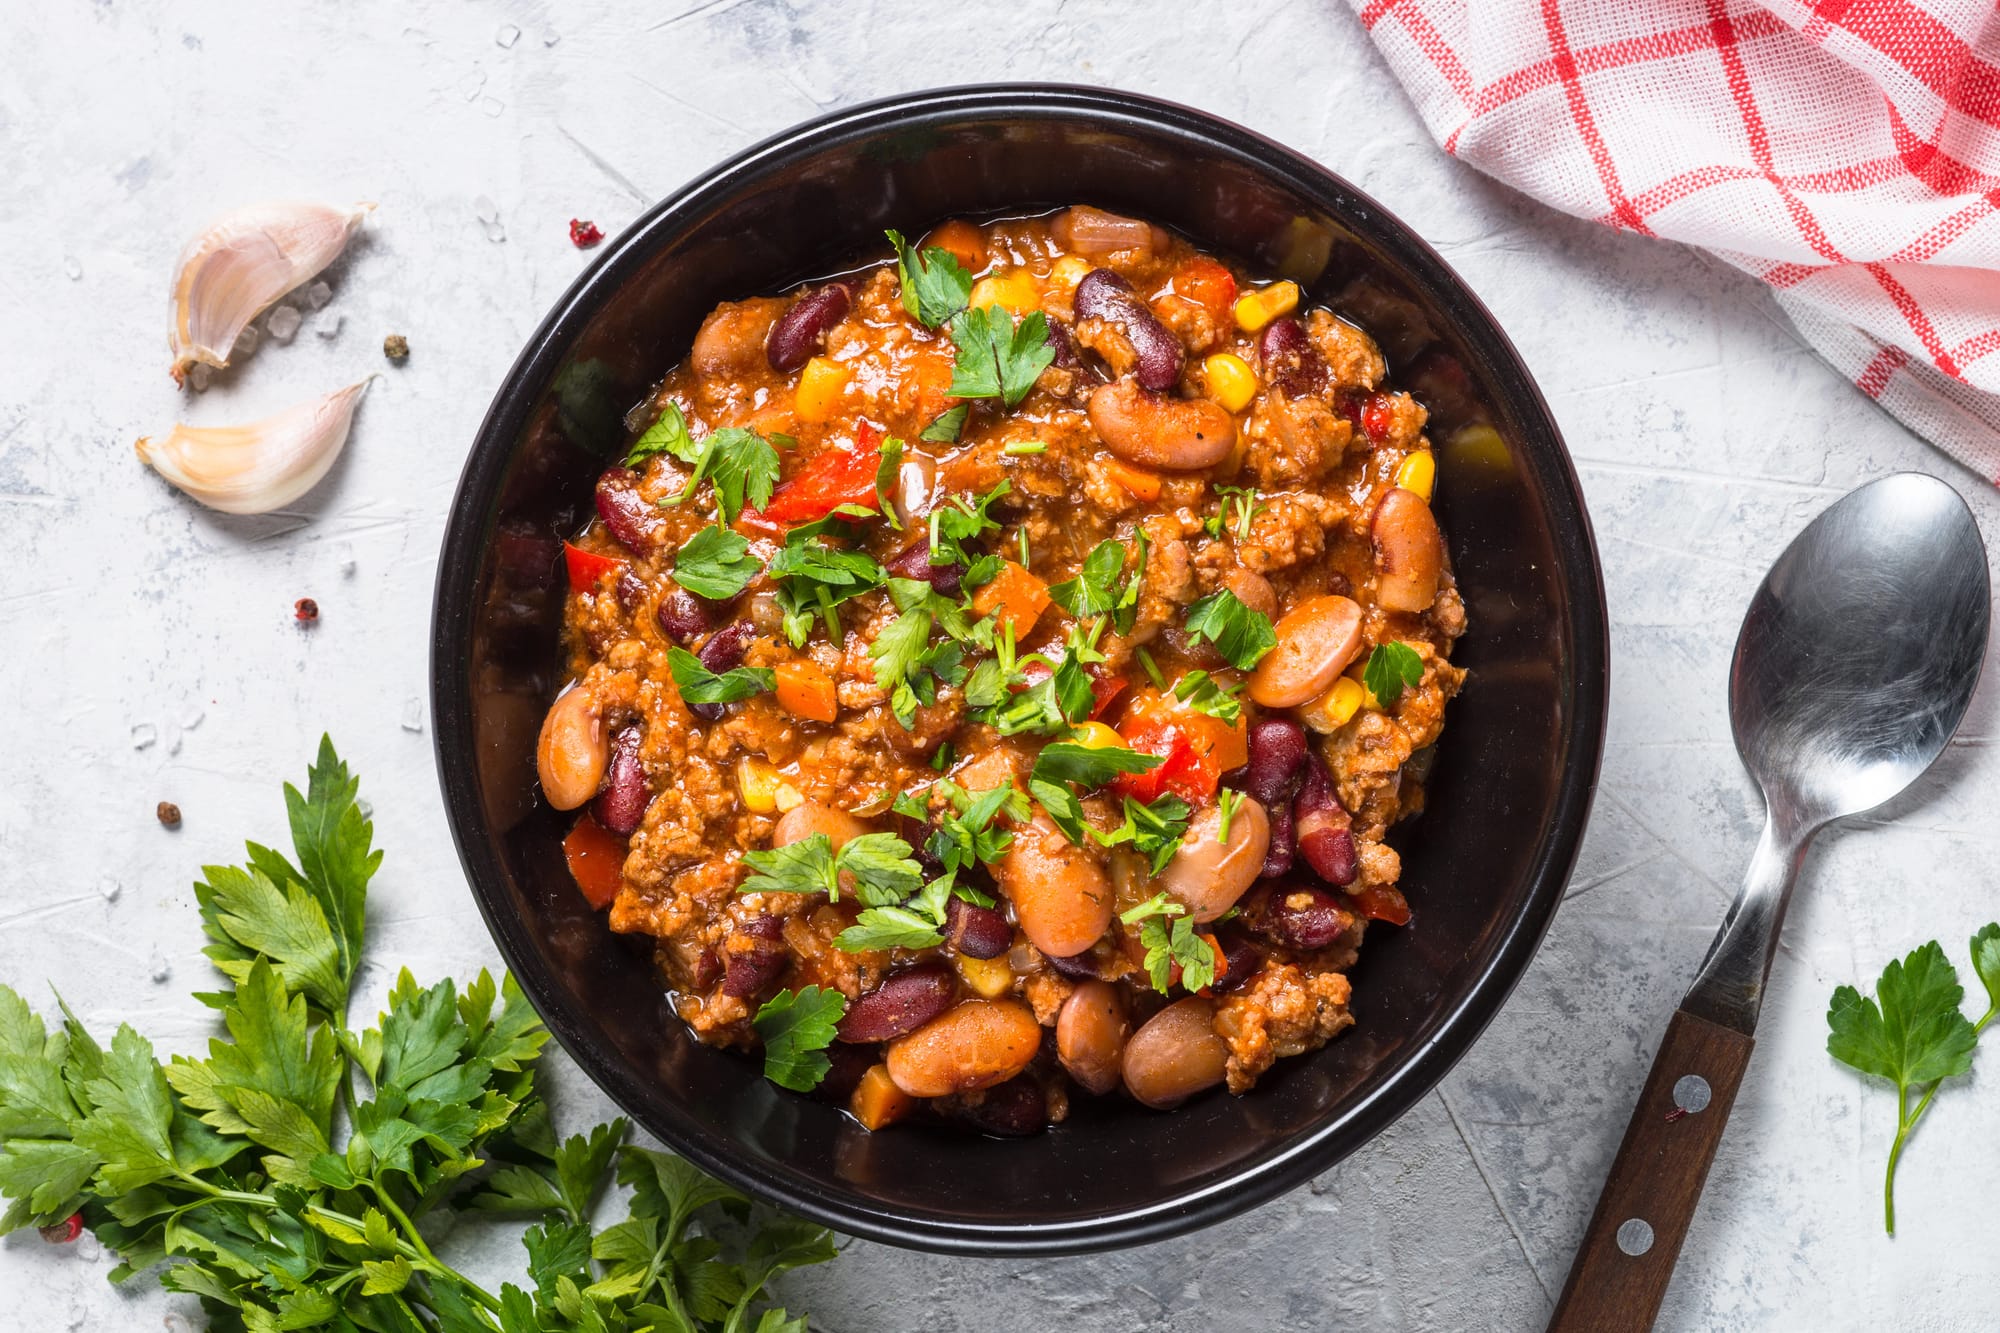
(240,264)
(261,466)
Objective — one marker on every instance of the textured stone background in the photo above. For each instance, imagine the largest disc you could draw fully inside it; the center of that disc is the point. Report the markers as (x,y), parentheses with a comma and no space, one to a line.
(147,648)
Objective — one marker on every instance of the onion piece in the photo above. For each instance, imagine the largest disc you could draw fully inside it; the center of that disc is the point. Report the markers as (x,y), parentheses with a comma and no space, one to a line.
(255,468)
(240,264)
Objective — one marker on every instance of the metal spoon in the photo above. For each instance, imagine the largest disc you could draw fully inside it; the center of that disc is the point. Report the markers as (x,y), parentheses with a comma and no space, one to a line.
(1854,666)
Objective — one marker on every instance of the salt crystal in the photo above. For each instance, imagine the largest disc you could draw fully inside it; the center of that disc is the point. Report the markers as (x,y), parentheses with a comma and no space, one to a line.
(109,889)
(495,232)
(282,323)
(159,968)
(144,734)
(413,714)
(472,83)
(492,106)
(175,1324)
(87,1248)
(507,36)
(343,555)
(246,341)
(193,719)
(365,806)
(174,745)
(198,377)
(73,267)
(331,329)
(318,295)
(485,209)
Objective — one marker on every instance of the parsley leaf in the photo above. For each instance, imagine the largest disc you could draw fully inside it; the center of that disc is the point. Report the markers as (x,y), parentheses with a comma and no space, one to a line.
(1168,945)
(1198,690)
(1391,667)
(796,1028)
(814,577)
(1160,904)
(946,427)
(1094,590)
(805,866)
(997,357)
(889,928)
(1240,633)
(935,285)
(885,480)
(716,563)
(1912,1033)
(878,863)
(883,872)
(1090,766)
(667,435)
(1152,829)
(958,521)
(1238,506)
(699,685)
(741,465)
(1126,610)
(965,836)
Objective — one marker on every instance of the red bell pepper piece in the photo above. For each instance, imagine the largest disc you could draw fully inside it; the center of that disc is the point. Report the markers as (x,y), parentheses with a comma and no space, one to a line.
(1383,902)
(1188,771)
(596,860)
(832,479)
(587,569)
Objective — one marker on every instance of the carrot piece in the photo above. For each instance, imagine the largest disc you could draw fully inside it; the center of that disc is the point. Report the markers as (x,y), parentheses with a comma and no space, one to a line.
(596,860)
(1206,283)
(1013,597)
(806,690)
(877,1101)
(1144,485)
(965,242)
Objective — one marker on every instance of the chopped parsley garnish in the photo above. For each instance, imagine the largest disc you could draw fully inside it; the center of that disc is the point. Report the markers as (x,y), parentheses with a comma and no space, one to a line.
(814,578)
(998,357)
(1025,448)
(667,435)
(1090,766)
(935,285)
(1049,706)
(1094,591)
(796,1027)
(1239,504)
(958,521)
(1240,633)
(1125,610)
(879,863)
(885,480)
(1153,830)
(716,563)
(1160,904)
(740,464)
(1227,802)
(699,685)
(966,836)
(907,664)
(946,427)
(1152,668)
(1167,945)
(1391,667)
(1199,691)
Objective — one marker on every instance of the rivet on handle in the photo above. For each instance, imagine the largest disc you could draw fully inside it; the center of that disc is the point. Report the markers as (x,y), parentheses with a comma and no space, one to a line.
(1635,1236)
(1691,1093)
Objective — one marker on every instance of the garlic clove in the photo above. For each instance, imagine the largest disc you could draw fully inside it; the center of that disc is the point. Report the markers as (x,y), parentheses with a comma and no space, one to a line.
(261,466)
(241,263)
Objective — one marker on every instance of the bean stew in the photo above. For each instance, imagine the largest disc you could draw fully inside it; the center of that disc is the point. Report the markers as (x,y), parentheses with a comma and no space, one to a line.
(995,671)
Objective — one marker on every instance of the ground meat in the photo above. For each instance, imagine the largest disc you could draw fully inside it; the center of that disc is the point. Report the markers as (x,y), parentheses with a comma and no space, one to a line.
(1283,1011)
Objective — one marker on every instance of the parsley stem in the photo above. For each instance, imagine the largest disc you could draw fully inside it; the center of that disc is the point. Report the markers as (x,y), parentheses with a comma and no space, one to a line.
(1906,1121)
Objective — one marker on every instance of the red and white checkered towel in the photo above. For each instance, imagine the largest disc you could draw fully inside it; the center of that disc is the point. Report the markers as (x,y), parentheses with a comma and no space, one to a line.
(1847,152)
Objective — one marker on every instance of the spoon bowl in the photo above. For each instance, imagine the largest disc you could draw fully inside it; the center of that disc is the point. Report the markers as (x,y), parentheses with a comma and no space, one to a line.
(1860,651)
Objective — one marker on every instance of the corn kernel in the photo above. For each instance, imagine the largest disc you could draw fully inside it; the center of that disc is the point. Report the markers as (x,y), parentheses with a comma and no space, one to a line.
(1333,710)
(1231,382)
(759,782)
(1068,272)
(820,384)
(1256,309)
(988,977)
(1096,736)
(1016,291)
(789,797)
(1418,473)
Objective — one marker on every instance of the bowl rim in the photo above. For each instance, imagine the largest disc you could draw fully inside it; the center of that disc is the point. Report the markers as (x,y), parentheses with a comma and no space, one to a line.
(1420,1067)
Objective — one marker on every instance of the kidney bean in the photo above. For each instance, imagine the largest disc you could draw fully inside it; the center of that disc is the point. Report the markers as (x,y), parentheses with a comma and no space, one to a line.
(1242,957)
(1091,1029)
(631,517)
(705,971)
(1063,343)
(975,931)
(1409,552)
(629,589)
(1013,1110)
(622,803)
(1298,916)
(915,563)
(682,616)
(1083,966)
(754,957)
(1289,359)
(801,330)
(1323,828)
(1175,1054)
(1155,431)
(572,752)
(1277,748)
(1284,844)
(978,1044)
(901,1004)
(1104,295)
(843,1075)
(723,652)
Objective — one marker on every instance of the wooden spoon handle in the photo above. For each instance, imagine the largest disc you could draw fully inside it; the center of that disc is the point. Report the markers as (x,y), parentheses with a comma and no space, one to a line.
(1627,1258)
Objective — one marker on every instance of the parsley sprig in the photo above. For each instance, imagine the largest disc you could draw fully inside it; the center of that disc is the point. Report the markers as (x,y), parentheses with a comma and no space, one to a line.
(295,1175)
(814,576)
(1913,1033)
(667,435)
(934,284)
(740,465)
(1391,668)
(1241,633)
(1170,940)
(699,685)
(716,563)
(997,356)
(1237,506)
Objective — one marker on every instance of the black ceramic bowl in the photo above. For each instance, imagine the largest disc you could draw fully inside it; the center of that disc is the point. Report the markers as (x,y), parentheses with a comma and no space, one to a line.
(1484,866)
